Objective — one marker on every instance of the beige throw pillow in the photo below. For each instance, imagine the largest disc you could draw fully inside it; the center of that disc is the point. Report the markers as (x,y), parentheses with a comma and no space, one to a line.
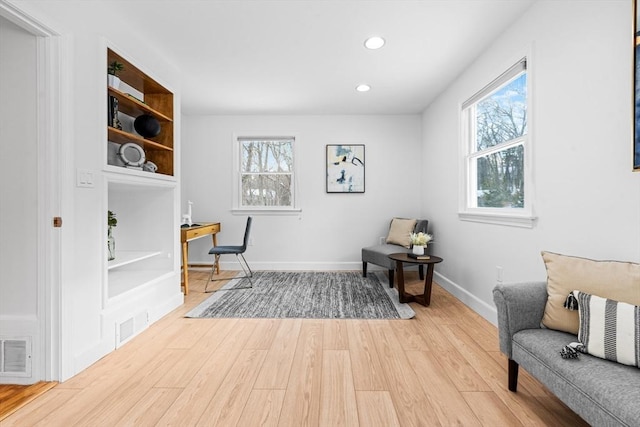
(615,280)
(400,230)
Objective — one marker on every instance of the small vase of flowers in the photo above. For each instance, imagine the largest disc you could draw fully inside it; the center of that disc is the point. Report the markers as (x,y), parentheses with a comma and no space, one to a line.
(420,241)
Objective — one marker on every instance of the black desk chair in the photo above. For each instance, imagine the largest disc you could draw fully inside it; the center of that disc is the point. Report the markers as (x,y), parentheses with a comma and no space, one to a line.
(238,251)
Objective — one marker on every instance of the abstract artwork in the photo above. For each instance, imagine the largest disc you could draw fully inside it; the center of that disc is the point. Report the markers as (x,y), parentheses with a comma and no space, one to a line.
(345,168)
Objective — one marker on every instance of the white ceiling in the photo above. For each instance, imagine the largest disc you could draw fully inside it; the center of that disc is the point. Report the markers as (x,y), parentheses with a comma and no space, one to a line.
(307,56)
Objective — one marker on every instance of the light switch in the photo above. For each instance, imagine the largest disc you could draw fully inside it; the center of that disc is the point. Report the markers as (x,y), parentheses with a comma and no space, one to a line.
(84,178)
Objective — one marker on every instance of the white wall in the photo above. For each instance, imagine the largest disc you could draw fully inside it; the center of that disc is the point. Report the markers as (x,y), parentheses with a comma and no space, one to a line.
(332,228)
(19,314)
(586,198)
(86,28)
(19,154)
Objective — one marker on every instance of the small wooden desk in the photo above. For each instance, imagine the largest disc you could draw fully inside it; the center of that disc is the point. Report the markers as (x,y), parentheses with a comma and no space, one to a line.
(425,298)
(191,233)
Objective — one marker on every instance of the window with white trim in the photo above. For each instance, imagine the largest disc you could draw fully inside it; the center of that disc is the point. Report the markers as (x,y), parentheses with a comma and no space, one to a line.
(266,173)
(495,140)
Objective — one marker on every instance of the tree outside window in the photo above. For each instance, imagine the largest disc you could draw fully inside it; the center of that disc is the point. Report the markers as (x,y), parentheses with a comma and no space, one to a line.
(266,172)
(495,121)
(501,121)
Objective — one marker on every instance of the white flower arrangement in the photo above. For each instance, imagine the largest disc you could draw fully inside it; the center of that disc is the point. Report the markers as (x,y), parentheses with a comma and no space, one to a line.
(420,239)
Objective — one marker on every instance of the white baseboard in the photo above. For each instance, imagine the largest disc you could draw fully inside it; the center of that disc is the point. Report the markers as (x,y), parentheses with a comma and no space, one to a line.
(161,310)
(294,266)
(88,357)
(288,266)
(473,302)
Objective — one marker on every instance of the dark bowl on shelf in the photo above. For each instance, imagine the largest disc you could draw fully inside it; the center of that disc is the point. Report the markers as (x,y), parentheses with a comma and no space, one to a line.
(147,126)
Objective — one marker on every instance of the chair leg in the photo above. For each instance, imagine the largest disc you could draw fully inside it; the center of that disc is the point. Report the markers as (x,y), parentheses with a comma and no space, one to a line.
(248,274)
(216,263)
(364,268)
(213,270)
(391,277)
(513,375)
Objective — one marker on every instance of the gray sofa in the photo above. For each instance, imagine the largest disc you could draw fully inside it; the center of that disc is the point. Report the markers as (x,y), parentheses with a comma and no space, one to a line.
(602,392)
(379,254)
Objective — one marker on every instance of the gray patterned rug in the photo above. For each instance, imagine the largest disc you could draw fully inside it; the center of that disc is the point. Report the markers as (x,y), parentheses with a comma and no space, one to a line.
(308,295)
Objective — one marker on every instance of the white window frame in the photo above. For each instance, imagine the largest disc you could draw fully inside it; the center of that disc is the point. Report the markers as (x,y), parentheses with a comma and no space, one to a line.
(517,217)
(237,175)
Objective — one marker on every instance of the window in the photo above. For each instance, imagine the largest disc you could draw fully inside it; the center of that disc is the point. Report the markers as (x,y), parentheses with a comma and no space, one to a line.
(495,140)
(266,173)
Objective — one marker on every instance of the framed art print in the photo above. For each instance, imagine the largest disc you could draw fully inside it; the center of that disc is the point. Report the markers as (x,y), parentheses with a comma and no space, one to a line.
(636,88)
(345,168)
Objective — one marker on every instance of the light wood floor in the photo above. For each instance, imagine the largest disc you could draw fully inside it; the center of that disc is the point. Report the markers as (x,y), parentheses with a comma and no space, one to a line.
(441,368)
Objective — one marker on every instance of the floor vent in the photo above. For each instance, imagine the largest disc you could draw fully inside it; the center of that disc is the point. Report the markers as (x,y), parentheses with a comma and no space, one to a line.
(15,356)
(127,329)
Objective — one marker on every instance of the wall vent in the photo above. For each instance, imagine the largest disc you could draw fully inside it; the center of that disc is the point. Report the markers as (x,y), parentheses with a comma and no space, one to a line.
(15,356)
(125,331)
(128,328)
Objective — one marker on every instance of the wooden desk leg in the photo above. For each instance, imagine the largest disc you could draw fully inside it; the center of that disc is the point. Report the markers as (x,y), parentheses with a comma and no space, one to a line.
(428,282)
(402,297)
(217,260)
(185,266)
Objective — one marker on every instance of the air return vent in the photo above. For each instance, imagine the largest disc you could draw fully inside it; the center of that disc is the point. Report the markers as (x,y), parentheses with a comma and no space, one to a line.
(128,328)
(15,356)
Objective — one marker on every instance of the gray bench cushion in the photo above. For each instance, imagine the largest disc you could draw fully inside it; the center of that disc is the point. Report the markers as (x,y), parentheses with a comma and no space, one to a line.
(603,392)
(379,254)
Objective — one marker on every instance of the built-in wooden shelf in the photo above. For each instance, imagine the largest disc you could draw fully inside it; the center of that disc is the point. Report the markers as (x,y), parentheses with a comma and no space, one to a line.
(122,137)
(143,201)
(150,98)
(133,107)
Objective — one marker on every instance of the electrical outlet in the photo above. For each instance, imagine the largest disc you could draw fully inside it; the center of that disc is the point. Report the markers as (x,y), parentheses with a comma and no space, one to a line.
(499,274)
(383,240)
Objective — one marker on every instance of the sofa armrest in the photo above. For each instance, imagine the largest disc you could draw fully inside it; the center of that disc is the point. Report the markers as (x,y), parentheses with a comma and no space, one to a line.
(520,306)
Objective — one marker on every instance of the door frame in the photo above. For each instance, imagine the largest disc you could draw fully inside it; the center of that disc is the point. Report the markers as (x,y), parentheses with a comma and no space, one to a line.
(53,130)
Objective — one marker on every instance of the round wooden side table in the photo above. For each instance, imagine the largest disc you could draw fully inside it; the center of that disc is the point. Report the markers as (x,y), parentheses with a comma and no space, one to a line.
(401,259)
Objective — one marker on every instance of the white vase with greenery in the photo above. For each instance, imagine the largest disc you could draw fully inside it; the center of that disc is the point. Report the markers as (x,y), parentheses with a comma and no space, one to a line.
(420,241)
(111,241)
(112,74)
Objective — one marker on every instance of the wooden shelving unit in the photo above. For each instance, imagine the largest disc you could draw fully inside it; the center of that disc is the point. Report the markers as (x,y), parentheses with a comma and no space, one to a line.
(144,202)
(154,100)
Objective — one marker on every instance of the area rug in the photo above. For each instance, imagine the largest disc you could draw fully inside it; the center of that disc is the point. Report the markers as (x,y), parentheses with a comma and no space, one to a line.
(307,295)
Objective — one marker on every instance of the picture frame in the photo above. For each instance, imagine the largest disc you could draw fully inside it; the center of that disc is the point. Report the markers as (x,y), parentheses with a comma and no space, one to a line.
(636,87)
(345,168)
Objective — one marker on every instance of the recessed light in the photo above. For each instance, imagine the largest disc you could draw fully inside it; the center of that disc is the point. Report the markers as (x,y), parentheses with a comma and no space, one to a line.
(363,88)
(374,42)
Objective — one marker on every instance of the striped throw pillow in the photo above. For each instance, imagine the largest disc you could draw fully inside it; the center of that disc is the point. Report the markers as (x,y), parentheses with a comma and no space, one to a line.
(608,329)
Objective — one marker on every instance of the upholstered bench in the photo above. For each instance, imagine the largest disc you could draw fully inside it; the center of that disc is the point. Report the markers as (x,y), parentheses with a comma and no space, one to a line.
(397,240)
(535,329)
